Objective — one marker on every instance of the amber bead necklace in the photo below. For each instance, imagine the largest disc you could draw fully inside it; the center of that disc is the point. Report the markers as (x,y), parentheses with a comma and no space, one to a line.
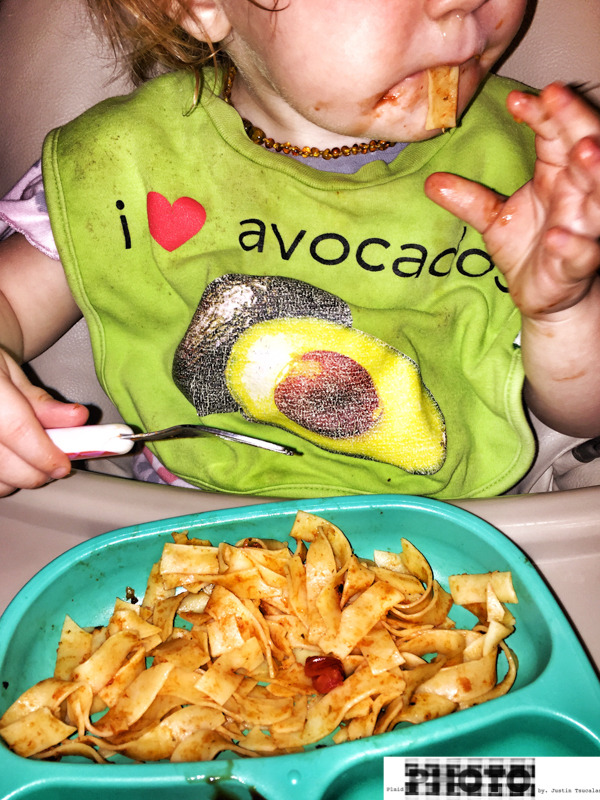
(259,137)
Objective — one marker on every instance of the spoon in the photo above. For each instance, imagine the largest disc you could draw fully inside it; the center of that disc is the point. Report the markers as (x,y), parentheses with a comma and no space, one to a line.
(98,441)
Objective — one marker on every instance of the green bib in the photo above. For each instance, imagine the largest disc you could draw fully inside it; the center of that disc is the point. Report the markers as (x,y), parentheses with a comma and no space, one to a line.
(345,316)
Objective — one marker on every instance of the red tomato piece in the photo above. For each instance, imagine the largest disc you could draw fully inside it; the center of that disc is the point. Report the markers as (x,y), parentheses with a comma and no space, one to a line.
(326,672)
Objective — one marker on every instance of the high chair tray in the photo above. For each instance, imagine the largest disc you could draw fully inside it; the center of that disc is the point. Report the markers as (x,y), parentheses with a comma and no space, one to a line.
(552,710)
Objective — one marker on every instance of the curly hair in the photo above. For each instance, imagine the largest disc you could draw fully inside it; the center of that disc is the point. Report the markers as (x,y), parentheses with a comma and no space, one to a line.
(148,39)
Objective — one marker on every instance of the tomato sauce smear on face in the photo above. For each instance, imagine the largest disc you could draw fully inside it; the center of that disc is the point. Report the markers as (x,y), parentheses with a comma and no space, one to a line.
(326,672)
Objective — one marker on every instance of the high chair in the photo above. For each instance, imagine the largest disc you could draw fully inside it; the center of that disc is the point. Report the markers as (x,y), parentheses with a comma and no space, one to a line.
(53,67)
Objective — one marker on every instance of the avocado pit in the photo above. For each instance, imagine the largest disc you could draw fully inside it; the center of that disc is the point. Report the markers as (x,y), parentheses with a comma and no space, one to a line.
(328,393)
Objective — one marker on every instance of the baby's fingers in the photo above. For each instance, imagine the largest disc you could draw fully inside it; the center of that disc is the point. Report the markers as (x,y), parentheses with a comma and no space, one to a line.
(556,115)
(477,205)
(579,255)
(28,458)
(573,198)
(16,473)
(584,167)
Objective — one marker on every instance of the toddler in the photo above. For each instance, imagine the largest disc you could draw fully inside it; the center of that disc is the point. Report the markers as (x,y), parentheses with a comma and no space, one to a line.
(287,235)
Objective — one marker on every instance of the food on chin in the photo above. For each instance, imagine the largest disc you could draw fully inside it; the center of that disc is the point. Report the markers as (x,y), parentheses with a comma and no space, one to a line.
(442,97)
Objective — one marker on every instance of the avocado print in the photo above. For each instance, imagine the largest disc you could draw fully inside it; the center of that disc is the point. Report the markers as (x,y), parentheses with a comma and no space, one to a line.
(230,305)
(339,388)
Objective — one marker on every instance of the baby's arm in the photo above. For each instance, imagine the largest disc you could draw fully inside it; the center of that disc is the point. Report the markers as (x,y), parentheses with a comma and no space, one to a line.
(544,238)
(36,307)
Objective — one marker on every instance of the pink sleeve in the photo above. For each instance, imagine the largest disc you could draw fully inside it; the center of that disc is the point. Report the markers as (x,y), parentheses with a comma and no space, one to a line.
(23,210)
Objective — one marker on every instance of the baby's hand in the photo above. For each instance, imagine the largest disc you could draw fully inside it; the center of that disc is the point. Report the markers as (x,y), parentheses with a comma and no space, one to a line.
(27,456)
(544,238)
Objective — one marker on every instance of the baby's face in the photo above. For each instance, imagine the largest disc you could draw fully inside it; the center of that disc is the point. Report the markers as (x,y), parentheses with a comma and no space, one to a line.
(358,68)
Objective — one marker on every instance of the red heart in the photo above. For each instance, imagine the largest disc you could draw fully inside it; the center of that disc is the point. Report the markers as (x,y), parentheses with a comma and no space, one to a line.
(173,225)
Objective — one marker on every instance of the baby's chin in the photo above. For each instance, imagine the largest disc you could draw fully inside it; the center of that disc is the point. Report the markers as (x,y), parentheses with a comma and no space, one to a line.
(402,131)
(405,113)
(401,115)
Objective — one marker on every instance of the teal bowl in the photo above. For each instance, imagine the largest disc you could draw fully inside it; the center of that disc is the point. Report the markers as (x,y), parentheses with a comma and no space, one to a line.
(552,710)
